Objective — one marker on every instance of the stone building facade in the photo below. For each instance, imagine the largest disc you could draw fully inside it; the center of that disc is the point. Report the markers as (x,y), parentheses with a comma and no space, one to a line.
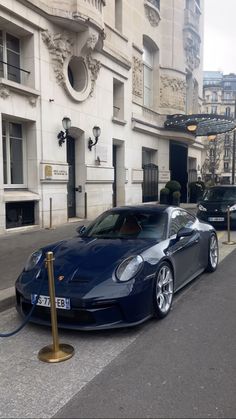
(219,97)
(120,65)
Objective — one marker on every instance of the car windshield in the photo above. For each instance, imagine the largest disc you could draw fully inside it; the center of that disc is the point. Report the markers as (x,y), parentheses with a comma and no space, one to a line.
(144,225)
(220,194)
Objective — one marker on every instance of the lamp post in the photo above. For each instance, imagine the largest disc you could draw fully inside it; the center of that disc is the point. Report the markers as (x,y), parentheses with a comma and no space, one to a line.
(233,158)
(62,136)
(233,150)
(96,133)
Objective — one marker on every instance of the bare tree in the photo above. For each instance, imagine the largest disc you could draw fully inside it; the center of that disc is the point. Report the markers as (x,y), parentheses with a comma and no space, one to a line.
(214,155)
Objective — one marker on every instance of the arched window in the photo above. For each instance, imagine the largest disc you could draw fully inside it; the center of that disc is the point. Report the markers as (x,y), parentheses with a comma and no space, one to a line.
(227,111)
(150,73)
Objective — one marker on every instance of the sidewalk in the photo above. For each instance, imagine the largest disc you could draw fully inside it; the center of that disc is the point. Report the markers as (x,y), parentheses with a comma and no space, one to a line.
(15,248)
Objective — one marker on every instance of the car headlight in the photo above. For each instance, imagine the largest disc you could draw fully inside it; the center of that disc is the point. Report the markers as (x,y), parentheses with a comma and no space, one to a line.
(233,208)
(129,268)
(201,208)
(33,260)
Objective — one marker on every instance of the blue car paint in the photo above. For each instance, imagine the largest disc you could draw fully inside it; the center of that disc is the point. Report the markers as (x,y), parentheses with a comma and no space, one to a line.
(88,258)
(88,266)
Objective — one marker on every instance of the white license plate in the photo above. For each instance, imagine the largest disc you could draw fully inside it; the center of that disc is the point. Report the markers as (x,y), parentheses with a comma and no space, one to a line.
(216,219)
(44,301)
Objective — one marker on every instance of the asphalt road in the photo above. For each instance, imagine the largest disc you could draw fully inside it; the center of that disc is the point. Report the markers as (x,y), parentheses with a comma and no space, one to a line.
(181,367)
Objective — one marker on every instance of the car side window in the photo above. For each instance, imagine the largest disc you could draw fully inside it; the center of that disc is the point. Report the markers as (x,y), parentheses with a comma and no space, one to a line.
(179,219)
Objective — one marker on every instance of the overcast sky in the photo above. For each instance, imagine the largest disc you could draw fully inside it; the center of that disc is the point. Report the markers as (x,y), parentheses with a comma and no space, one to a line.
(220,36)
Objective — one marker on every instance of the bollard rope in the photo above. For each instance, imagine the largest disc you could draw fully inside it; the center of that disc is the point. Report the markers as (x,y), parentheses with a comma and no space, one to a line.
(27,318)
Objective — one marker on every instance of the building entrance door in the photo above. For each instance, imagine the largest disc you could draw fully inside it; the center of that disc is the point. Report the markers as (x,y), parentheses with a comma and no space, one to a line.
(150,182)
(71,204)
(114,200)
(178,167)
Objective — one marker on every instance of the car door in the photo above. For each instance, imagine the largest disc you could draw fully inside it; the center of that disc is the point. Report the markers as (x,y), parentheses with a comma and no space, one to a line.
(186,250)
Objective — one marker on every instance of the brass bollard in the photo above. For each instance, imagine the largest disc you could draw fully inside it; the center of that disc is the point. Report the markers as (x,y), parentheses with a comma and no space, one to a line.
(228,227)
(55,352)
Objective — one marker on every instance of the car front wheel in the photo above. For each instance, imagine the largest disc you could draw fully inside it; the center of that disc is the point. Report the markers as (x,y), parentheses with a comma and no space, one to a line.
(213,253)
(163,290)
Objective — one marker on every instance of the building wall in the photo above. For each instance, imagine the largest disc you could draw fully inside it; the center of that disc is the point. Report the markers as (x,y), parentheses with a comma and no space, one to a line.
(219,97)
(106,43)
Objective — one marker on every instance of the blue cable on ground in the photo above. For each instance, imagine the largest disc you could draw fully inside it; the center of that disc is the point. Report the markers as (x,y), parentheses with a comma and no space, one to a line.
(7,335)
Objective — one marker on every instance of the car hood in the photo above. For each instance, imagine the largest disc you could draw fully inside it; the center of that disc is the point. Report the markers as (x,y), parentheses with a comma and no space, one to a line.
(217,205)
(88,259)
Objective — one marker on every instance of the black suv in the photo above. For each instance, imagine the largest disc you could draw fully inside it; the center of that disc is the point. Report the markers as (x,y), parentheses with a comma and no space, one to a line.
(214,204)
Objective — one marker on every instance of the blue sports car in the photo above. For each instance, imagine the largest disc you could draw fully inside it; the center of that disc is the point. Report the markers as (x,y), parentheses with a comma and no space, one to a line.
(120,270)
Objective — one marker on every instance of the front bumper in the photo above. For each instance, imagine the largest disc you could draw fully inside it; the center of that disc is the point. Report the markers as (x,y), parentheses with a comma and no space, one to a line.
(218,219)
(129,310)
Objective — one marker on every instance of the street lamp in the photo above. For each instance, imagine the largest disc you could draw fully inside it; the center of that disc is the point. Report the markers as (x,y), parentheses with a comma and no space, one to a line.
(233,150)
(233,157)
(192,127)
(96,133)
(62,136)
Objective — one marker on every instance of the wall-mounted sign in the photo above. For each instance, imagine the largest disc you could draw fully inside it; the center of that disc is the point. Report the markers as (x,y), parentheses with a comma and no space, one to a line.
(51,172)
(164,176)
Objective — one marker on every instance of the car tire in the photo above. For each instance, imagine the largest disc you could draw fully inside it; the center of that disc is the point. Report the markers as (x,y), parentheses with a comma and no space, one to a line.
(213,253)
(163,290)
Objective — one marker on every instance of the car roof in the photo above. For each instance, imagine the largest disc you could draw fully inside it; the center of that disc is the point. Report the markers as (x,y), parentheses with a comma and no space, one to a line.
(144,207)
(222,186)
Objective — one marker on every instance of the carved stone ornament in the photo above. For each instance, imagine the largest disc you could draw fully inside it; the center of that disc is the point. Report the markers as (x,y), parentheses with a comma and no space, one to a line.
(60,47)
(195,97)
(152,12)
(137,77)
(94,68)
(173,93)
(192,50)
(92,40)
(4,91)
(32,101)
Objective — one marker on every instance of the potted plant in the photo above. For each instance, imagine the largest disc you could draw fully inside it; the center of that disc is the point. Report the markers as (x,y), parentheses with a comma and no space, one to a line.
(176,198)
(173,185)
(164,196)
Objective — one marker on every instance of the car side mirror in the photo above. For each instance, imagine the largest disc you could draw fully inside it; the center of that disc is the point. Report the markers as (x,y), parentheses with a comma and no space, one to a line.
(184,232)
(80,230)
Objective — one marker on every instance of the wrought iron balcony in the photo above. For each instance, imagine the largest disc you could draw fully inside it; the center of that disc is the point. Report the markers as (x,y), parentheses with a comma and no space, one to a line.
(13,72)
(155,3)
(192,20)
(83,12)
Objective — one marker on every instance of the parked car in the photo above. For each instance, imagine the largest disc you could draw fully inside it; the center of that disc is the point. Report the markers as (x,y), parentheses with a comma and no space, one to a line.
(121,270)
(213,206)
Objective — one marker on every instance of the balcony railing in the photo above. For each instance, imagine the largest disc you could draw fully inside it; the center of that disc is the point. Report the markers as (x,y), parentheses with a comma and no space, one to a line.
(192,19)
(13,72)
(76,10)
(155,3)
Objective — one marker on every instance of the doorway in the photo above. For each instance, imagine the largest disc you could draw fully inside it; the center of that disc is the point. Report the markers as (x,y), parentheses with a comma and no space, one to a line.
(114,186)
(71,204)
(178,166)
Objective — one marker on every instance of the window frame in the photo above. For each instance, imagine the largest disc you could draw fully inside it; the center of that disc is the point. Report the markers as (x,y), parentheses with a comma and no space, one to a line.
(8,156)
(5,50)
(180,213)
(149,66)
(226,166)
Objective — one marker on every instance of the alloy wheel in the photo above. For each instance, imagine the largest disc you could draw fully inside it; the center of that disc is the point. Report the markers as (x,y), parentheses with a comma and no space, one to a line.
(164,288)
(213,251)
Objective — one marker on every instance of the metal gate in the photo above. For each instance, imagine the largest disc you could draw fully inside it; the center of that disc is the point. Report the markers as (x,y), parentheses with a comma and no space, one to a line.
(192,175)
(150,182)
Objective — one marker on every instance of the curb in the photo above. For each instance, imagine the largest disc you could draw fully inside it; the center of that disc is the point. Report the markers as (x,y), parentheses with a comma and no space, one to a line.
(7,298)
